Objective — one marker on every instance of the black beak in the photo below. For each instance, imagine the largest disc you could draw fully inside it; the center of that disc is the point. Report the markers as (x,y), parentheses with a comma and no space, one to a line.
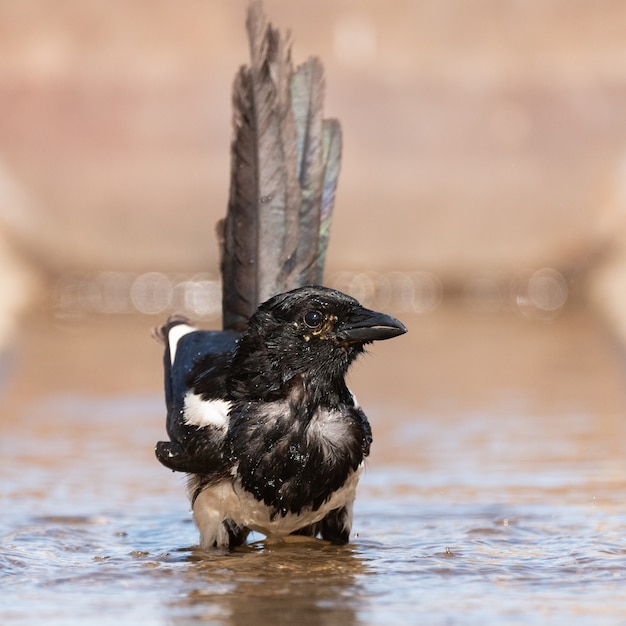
(364,325)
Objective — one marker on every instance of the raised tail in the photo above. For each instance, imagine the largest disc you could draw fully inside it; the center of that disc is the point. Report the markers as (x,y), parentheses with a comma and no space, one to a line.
(285,161)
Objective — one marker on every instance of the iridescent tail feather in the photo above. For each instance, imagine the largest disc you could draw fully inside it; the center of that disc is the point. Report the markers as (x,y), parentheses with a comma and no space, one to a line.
(285,161)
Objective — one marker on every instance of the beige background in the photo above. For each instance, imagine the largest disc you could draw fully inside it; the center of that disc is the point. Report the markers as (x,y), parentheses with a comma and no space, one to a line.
(479,136)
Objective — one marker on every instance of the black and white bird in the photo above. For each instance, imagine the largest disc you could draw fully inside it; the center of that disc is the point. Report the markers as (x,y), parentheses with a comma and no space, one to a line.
(258,414)
(272,436)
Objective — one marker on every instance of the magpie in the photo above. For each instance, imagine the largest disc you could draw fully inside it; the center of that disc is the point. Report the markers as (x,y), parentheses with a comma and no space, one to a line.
(258,414)
(263,421)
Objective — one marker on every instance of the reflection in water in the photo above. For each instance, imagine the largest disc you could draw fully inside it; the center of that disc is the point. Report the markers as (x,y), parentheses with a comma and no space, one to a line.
(495,491)
(118,566)
(297,582)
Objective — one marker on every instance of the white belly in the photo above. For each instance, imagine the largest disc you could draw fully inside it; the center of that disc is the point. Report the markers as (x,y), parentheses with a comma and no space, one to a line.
(228,500)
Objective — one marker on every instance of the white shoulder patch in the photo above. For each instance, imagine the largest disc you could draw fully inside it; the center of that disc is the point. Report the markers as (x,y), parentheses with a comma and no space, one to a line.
(175,335)
(200,413)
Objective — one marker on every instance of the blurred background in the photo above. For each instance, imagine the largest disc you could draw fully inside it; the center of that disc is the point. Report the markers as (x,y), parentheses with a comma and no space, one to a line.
(482,200)
(484,142)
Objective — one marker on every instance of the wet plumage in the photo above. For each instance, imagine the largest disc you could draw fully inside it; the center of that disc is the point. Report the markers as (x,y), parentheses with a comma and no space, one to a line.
(265,422)
(258,414)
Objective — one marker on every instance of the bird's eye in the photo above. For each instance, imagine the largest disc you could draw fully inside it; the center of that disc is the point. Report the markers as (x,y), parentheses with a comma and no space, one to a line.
(313,319)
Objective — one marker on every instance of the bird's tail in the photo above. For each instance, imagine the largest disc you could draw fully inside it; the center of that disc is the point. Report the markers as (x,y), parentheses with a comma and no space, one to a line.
(285,161)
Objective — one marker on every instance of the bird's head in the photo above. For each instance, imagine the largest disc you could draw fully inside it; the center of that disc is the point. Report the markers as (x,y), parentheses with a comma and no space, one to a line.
(313,332)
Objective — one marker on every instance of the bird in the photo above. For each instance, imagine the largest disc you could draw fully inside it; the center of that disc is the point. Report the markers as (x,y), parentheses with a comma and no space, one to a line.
(259,415)
(265,423)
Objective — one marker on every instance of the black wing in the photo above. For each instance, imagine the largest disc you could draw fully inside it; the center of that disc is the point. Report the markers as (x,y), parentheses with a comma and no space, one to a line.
(192,448)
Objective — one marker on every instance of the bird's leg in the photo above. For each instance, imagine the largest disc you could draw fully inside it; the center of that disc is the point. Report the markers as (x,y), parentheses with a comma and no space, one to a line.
(237,535)
(336,526)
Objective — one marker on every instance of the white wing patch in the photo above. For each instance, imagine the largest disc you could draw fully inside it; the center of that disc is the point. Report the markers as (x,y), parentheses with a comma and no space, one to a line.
(174,336)
(201,413)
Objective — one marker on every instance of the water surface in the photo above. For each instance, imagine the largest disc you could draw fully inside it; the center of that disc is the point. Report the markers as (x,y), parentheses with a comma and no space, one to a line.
(495,493)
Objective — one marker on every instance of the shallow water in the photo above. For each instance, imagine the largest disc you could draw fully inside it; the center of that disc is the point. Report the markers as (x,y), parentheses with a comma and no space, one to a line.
(495,493)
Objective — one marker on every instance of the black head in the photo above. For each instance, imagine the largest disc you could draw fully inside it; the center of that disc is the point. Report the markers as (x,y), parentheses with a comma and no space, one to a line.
(312,332)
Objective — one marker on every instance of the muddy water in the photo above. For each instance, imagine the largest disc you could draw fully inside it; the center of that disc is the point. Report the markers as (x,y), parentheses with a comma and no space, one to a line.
(496,492)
